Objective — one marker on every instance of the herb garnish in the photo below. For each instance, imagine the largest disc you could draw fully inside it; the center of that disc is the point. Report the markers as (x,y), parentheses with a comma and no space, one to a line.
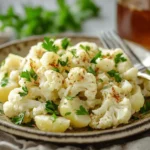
(115,74)
(70,97)
(91,70)
(86,48)
(148,71)
(67,113)
(119,58)
(18,119)
(146,107)
(82,111)
(54,117)
(29,74)
(25,91)
(49,45)
(51,107)
(4,80)
(63,63)
(98,55)
(73,51)
(65,43)
(55,69)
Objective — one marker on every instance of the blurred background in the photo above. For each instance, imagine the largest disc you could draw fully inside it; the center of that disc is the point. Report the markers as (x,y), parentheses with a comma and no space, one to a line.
(23,18)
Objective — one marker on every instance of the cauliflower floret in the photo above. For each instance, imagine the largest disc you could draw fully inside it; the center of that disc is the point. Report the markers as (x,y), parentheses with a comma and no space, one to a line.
(89,47)
(49,60)
(137,99)
(82,59)
(111,113)
(79,80)
(50,83)
(47,123)
(12,62)
(131,74)
(105,64)
(122,66)
(36,51)
(68,109)
(17,103)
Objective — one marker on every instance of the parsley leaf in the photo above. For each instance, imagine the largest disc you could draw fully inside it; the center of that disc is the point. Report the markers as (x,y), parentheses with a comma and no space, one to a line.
(55,69)
(54,117)
(18,119)
(51,107)
(67,113)
(115,74)
(33,74)
(4,80)
(65,43)
(63,63)
(49,45)
(146,107)
(73,51)
(29,74)
(100,80)
(98,55)
(70,98)
(148,71)
(86,48)
(25,91)
(119,58)
(82,111)
(26,75)
(2,63)
(91,70)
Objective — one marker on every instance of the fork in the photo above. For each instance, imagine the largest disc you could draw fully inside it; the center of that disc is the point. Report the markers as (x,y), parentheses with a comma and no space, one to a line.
(111,40)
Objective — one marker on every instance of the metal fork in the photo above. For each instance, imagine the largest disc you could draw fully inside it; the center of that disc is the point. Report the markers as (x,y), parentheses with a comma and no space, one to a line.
(111,40)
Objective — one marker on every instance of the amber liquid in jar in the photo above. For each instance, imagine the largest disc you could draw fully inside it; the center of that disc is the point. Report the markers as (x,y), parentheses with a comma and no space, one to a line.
(133,21)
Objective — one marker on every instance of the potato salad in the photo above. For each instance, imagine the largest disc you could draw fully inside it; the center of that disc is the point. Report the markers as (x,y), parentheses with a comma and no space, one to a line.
(59,86)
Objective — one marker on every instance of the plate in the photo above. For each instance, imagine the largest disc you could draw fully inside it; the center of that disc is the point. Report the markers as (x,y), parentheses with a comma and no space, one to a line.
(21,47)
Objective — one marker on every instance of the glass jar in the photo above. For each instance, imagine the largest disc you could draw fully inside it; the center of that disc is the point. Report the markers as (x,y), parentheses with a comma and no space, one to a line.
(133,21)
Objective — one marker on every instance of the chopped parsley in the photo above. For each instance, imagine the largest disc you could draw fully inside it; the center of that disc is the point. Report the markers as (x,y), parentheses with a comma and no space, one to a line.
(148,71)
(4,80)
(91,70)
(100,80)
(55,69)
(98,55)
(2,63)
(28,75)
(73,51)
(51,107)
(18,119)
(1,111)
(65,43)
(119,58)
(86,48)
(49,45)
(82,111)
(54,117)
(146,107)
(115,74)
(63,63)
(33,74)
(70,98)
(67,113)
(25,91)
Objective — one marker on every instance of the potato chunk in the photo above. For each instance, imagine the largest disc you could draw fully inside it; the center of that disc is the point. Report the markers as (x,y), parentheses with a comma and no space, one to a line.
(47,123)
(68,110)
